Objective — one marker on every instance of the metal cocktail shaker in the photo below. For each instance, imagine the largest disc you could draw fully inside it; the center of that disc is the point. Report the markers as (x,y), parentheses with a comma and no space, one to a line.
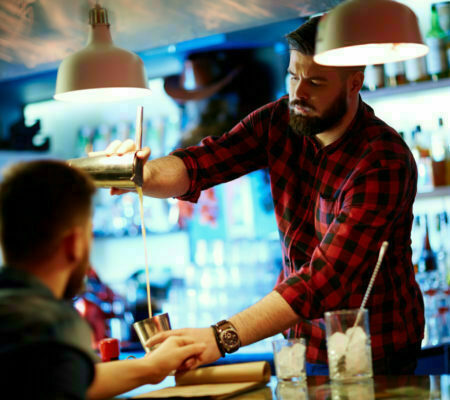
(123,172)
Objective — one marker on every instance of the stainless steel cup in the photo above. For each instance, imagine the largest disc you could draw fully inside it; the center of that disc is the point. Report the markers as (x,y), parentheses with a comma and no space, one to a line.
(149,327)
(122,172)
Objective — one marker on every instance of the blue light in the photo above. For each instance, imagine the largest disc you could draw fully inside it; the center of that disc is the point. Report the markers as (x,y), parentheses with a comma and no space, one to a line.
(280,48)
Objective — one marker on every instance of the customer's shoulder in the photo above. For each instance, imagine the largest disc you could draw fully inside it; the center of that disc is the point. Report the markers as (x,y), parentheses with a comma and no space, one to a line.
(28,317)
(22,308)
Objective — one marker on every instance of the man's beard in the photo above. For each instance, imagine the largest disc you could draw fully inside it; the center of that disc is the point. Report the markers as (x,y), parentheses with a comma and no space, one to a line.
(77,280)
(310,126)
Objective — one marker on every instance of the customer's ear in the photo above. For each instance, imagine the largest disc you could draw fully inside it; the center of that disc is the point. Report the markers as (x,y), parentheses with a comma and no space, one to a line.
(73,242)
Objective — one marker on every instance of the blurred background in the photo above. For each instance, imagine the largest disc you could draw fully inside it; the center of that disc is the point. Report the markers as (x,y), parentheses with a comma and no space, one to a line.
(212,259)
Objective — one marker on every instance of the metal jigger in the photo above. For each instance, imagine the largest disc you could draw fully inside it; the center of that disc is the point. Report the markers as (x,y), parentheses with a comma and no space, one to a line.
(149,327)
(123,172)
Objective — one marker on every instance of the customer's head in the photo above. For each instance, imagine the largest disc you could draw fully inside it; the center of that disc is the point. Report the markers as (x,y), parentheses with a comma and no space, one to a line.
(40,201)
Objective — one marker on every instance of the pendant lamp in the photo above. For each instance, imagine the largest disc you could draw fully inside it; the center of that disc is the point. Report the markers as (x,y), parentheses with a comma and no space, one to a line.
(365,32)
(101,72)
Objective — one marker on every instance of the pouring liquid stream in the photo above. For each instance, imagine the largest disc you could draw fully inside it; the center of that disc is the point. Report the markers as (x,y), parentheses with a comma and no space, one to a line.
(139,118)
(141,208)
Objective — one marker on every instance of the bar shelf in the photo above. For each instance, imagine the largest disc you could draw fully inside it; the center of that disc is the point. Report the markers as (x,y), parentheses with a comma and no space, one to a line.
(405,89)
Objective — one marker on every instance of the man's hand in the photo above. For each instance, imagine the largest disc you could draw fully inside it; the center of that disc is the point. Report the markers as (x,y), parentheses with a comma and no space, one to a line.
(115,377)
(119,148)
(200,335)
(172,354)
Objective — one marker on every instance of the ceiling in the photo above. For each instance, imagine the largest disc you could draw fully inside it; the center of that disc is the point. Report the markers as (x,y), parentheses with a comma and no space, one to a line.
(35,35)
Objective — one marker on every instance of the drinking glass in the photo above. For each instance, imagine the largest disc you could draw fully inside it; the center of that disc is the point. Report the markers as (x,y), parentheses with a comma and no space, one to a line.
(348,346)
(289,359)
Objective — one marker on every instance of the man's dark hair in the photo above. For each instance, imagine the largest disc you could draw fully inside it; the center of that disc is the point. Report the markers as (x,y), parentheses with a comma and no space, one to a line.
(303,39)
(39,201)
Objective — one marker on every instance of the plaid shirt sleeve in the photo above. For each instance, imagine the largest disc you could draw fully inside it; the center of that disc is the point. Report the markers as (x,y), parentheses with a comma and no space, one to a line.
(342,263)
(229,156)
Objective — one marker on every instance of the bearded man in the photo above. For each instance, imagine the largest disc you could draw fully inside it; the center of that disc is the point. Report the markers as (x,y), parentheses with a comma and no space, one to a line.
(342,182)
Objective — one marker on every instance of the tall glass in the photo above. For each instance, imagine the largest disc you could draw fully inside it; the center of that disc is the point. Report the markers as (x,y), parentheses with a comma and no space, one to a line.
(348,346)
(357,390)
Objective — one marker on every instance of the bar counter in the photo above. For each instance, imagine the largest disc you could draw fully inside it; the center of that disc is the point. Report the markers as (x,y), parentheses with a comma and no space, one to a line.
(432,387)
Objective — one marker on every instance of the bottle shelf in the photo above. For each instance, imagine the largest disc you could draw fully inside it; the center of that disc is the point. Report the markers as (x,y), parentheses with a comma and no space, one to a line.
(440,191)
(405,89)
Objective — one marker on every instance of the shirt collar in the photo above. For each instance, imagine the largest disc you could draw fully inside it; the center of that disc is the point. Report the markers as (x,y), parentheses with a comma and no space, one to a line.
(11,277)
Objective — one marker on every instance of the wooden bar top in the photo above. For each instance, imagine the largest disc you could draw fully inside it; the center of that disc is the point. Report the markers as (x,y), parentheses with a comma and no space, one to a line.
(408,387)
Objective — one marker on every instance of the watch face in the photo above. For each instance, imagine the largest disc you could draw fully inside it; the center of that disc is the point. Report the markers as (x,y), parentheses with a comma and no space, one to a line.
(230,340)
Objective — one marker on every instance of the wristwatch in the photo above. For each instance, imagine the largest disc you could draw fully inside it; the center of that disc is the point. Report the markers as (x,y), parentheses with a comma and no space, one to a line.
(227,337)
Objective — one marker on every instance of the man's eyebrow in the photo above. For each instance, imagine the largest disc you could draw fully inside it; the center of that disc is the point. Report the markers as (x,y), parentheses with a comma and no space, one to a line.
(311,78)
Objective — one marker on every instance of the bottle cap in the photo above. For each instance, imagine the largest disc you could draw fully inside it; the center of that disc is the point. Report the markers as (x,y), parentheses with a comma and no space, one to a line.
(109,349)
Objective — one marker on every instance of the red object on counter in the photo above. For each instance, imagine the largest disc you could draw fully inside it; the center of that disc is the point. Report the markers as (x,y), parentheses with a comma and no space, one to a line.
(109,349)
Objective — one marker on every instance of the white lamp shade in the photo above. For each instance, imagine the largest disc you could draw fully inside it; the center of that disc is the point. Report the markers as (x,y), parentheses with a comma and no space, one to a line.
(365,32)
(101,72)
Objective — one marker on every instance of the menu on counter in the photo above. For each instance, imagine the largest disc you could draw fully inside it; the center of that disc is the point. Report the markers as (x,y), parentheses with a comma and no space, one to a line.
(217,382)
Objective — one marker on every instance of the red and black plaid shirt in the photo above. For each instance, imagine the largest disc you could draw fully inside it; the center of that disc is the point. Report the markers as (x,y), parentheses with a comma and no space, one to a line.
(334,207)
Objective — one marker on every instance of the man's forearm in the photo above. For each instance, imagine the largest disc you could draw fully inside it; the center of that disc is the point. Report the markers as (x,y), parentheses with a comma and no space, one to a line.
(115,377)
(165,177)
(271,315)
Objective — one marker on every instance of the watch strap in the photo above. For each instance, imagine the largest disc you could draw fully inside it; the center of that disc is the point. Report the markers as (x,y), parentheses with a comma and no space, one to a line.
(219,344)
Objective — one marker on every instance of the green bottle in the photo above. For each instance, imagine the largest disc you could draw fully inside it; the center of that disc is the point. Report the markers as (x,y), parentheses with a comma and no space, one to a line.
(437,64)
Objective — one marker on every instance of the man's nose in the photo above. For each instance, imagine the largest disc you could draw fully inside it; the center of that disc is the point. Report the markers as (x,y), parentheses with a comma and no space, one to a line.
(301,90)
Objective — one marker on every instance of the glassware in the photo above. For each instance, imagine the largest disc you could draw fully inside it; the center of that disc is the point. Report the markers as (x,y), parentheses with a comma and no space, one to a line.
(289,359)
(343,339)
(359,390)
(149,327)
(291,390)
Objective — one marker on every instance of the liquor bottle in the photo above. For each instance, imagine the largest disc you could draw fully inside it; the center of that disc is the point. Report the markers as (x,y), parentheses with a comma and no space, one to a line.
(438,154)
(395,73)
(427,261)
(443,10)
(374,77)
(84,141)
(441,254)
(437,63)
(101,137)
(416,242)
(446,135)
(445,228)
(421,153)
(416,70)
